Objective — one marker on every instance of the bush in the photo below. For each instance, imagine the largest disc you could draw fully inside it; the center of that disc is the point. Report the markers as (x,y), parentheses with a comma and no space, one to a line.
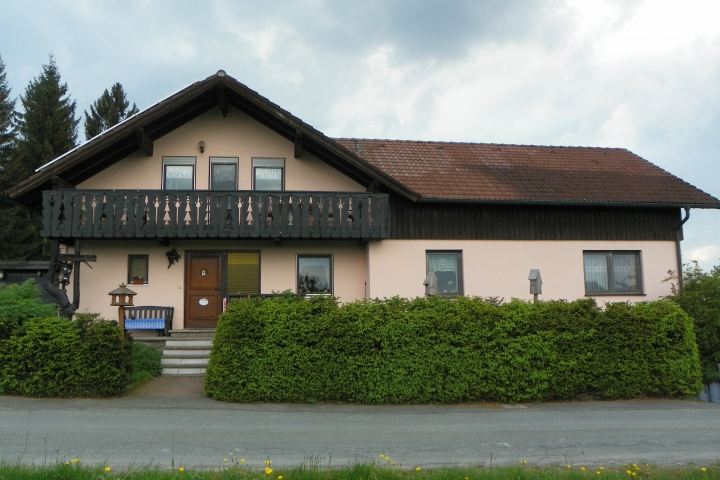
(145,361)
(700,299)
(54,357)
(19,303)
(435,350)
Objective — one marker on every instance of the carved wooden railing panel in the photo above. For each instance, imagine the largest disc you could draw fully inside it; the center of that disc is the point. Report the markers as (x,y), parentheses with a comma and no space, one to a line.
(213,214)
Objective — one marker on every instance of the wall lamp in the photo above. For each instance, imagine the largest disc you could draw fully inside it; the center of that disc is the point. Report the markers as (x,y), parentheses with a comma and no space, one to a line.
(202,146)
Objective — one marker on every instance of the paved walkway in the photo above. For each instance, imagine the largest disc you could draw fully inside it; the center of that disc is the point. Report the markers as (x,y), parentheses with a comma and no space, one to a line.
(172,386)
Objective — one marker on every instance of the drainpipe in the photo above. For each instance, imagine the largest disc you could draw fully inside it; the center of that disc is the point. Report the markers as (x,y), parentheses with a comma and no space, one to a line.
(678,237)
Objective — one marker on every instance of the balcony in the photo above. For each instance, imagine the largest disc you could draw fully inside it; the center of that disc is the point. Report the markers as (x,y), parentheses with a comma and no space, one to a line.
(214,214)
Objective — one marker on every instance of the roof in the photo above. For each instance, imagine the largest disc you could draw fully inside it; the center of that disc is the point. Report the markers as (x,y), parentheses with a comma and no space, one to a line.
(487,172)
(418,171)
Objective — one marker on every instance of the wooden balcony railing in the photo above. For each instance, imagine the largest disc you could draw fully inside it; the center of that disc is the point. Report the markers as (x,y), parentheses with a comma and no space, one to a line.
(213,214)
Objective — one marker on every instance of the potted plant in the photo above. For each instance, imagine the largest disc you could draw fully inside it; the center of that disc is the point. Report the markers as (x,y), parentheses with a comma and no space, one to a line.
(137,280)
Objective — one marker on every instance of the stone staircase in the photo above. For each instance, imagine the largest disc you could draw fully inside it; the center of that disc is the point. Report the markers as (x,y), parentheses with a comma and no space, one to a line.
(187,352)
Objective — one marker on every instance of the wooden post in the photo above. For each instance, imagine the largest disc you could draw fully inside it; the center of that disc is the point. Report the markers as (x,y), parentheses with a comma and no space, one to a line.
(121,321)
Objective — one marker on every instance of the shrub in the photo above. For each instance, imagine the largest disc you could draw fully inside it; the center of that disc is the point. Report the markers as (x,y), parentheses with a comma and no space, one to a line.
(145,361)
(54,357)
(700,299)
(19,303)
(435,350)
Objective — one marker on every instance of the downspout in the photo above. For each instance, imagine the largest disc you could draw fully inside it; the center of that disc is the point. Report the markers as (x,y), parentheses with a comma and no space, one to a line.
(76,276)
(678,238)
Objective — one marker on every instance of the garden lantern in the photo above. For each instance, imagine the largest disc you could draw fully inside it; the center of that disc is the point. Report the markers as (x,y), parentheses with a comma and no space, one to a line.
(535,283)
(122,297)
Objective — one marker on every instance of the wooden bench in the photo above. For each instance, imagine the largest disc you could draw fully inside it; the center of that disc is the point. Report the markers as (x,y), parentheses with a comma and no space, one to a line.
(149,318)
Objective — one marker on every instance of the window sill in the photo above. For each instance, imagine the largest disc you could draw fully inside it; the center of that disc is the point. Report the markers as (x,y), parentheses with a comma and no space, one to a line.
(616,294)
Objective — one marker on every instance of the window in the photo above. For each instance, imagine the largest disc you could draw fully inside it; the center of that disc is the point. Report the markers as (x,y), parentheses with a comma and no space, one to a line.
(138,269)
(178,173)
(223,173)
(314,274)
(612,272)
(444,273)
(268,174)
(243,273)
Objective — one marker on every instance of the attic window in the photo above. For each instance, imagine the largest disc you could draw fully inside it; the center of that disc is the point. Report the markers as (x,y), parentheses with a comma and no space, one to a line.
(178,173)
(269,174)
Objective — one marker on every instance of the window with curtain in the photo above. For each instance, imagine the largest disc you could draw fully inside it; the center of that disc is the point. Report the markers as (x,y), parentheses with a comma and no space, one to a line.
(612,272)
(178,173)
(268,174)
(138,266)
(223,173)
(314,274)
(447,267)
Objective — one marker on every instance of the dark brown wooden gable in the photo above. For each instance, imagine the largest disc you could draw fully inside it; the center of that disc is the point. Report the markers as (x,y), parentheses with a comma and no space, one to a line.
(525,222)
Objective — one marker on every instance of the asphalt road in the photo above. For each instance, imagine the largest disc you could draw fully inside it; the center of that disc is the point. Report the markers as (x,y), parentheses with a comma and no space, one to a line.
(199,432)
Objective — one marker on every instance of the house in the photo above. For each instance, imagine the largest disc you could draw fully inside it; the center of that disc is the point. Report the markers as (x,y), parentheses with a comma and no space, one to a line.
(216,191)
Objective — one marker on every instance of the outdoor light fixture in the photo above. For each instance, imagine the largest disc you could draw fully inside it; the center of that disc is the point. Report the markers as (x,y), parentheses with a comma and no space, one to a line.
(202,146)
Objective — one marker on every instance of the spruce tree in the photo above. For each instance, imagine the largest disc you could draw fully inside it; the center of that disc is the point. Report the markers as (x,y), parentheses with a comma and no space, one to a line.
(7,118)
(110,109)
(47,128)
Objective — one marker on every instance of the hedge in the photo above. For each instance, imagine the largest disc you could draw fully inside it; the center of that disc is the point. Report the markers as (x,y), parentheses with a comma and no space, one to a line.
(54,357)
(435,350)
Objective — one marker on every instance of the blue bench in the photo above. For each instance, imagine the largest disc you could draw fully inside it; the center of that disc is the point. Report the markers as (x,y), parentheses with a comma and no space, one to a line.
(149,318)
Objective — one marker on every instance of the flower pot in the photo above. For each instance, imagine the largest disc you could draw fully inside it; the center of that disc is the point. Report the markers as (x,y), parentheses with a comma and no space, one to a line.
(137,281)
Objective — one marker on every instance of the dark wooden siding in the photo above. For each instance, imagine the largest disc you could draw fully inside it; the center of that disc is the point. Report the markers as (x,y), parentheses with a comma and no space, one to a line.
(524,222)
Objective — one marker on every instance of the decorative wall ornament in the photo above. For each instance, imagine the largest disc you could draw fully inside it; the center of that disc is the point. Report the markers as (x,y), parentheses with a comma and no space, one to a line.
(173,256)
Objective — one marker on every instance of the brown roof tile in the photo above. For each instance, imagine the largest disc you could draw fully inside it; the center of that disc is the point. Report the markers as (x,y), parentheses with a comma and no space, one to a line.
(526,173)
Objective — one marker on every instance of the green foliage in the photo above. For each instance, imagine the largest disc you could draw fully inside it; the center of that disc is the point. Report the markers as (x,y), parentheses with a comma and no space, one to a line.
(53,357)
(145,361)
(436,350)
(110,109)
(700,299)
(19,303)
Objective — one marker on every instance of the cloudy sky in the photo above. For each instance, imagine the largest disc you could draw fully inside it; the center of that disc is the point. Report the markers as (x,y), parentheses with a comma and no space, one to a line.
(638,74)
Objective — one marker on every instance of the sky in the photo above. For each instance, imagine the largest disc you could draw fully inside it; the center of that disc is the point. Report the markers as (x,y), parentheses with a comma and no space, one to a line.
(637,74)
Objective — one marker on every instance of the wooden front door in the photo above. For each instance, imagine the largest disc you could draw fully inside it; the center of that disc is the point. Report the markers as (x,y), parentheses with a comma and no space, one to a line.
(203,284)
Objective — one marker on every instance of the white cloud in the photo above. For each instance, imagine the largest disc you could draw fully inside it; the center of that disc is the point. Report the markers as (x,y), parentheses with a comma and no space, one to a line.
(706,256)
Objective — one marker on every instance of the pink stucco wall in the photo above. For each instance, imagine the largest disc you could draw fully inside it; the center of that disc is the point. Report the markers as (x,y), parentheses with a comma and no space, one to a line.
(236,136)
(501,268)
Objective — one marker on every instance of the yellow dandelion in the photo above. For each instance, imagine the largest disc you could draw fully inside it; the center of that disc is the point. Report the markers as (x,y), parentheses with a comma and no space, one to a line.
(417,468)
(569,466)
(524,462)
(598,472)
(267,462)
(268,470)
(75,460)
(647,464)
(704,469)
(279,477)
(181,469)
(582,468)
(382,456)
(242,460)
(628,472)
(224,460)
(602,468)
(634,464)
(633,474)
(107,469)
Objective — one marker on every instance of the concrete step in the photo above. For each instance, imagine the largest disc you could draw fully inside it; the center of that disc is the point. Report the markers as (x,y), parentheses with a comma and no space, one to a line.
(192,333)
(183,370)
(198,342)
(184,361)
(187,352)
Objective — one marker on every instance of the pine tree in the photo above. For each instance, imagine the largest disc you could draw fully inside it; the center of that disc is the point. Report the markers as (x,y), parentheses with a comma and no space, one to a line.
(110,109)
(7,118)
(47,128)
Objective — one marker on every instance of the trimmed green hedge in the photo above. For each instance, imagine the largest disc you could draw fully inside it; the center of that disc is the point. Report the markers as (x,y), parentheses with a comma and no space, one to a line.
(434,350)
(54,357)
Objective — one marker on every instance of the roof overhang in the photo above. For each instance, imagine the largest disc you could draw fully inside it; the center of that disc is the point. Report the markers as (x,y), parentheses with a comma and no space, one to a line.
(568,203)
(158,120)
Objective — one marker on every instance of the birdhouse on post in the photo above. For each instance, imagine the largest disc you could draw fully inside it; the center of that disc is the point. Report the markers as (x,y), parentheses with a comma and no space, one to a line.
(535,283)
(122,297)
